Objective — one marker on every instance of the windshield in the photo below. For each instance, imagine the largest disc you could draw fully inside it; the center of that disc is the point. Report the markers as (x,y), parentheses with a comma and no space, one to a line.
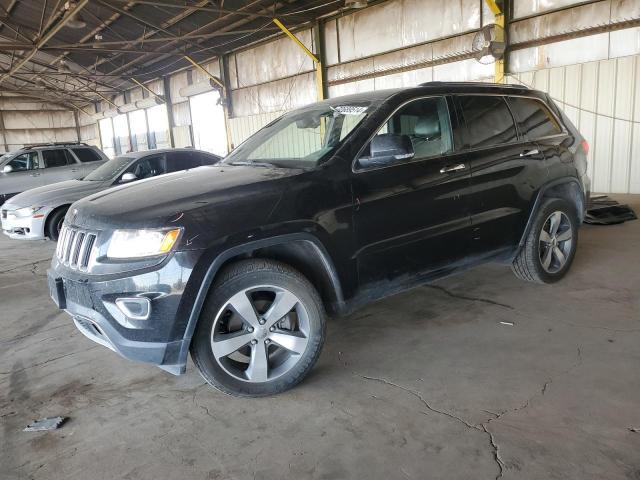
(302,138)
(110,170)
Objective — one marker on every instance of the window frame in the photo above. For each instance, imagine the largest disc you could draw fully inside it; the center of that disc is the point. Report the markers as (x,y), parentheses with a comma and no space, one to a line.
(521,138)
(443,96)
(545,107)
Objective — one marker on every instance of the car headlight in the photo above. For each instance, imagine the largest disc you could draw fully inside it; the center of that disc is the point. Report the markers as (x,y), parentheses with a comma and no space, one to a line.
(141,243)
(26,211)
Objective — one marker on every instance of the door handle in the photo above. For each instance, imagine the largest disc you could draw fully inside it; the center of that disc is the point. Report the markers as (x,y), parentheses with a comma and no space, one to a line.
(453,168)
(74,169)
(528,153)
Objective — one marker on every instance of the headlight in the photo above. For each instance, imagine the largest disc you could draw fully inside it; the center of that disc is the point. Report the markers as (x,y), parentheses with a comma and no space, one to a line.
(26,211)
(141,243)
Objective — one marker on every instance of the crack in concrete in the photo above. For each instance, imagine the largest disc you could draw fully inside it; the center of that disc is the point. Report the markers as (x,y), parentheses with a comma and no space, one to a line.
(471,299)
(418,395)
(34,266)
(482,427)
(47,361)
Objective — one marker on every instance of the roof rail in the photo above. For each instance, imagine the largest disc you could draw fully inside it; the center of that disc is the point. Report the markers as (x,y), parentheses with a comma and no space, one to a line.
(475,84)
(53,144)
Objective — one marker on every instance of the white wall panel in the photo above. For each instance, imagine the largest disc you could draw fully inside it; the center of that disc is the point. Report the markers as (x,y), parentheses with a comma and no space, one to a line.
(603,101)
(181,114)
(523,8)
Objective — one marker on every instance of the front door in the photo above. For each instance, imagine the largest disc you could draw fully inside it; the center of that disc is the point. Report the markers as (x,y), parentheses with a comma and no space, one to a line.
(25,174)
(411,215)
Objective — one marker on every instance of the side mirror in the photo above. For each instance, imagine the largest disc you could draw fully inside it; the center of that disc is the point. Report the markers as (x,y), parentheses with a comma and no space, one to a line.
(128,177)
(7,169)
(387,149)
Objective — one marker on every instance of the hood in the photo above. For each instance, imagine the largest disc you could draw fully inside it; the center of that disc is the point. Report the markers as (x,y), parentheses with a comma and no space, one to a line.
(56,194)
(203,196)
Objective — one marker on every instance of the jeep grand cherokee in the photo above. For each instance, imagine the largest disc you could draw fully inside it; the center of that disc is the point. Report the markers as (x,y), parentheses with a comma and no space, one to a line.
(325,209)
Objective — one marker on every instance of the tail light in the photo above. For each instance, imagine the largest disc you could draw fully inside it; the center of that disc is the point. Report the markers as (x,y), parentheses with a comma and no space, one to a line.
(585,146)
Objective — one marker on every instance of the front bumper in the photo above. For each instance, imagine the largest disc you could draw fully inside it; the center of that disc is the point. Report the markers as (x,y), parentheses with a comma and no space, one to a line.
(23,228)
(91,302)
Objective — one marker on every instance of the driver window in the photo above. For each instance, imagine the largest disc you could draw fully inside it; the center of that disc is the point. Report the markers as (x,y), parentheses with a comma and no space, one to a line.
(148,167)
(426,124)
(24,162)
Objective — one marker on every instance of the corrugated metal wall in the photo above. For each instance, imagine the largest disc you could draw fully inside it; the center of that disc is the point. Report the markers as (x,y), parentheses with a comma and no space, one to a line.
(594,78)
(28,122)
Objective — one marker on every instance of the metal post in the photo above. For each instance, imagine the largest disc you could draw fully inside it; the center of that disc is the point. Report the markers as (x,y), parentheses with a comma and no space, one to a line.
(77,120)
(316,60)
(167,99)
(4,132)
(499,20)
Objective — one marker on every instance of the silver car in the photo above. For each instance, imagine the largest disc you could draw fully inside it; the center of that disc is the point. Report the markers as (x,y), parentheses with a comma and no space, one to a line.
(39,165)
(39,213)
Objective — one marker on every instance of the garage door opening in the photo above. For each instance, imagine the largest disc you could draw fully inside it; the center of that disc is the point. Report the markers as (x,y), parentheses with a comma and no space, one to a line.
(207,118)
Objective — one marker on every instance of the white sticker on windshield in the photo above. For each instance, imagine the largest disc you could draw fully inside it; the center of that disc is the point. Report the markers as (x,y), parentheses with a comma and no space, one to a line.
(349,109)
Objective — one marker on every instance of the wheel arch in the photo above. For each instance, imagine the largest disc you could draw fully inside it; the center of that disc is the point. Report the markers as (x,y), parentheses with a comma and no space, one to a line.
(568,188)
(302,251)
(64,206)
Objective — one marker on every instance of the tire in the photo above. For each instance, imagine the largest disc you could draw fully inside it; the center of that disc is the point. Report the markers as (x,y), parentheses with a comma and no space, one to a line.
(538,260)
(54,223)
(261,290)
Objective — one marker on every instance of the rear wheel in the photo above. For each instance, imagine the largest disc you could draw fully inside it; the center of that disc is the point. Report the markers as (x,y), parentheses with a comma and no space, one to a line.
(550,245)
(261,330)
(54,224)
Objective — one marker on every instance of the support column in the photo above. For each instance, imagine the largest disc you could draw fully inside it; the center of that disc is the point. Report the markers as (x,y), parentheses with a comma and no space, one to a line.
(77,120)
(499,20)
(169,103)
(4,132)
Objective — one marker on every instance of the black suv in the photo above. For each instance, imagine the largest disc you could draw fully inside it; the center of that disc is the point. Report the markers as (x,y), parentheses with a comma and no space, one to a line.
(323,210)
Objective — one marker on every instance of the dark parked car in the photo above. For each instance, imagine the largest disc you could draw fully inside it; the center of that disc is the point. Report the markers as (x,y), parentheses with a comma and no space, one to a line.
(323,210)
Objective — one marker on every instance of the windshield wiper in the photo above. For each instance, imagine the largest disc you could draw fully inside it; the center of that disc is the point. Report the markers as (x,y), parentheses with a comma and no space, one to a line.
(257,164)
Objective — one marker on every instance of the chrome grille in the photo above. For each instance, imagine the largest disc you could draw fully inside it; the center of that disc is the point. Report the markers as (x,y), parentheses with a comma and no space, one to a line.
(74,247)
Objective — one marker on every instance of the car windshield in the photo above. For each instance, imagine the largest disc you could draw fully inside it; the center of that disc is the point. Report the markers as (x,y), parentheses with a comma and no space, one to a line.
(302,138)
(110,170)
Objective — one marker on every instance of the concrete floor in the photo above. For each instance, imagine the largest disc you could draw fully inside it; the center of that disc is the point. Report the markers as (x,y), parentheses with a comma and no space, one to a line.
(427,384)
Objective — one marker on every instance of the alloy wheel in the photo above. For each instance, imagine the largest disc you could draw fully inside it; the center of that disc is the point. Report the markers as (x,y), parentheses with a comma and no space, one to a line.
(260,333)
(555,242)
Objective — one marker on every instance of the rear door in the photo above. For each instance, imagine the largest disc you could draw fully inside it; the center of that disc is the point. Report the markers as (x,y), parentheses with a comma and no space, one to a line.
(501,163)
(60,165)
(25,174)
(182,160)
(545,133)
(89,159)
(411,217)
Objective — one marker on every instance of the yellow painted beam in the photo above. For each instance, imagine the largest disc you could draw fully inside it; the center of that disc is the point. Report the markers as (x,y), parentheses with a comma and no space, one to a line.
(493,6)
(310,54)
(205,71)
(223,96)
(147,89)
(295,39)
(499,21)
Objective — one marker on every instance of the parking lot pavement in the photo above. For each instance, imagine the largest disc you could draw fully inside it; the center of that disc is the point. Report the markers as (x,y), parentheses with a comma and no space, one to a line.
(477,376)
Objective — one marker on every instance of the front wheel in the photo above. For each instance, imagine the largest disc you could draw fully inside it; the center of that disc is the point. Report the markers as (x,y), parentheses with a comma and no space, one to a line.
(54,224)
(550,245)
(261,329)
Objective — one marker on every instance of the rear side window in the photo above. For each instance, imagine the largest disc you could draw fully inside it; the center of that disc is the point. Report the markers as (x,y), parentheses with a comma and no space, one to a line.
(56,158)
(534,118)
(208,159)
(177,161)
(488,119)
(86,154)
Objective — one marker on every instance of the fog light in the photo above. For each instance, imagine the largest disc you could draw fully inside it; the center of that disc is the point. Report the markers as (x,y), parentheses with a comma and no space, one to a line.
(135,308)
